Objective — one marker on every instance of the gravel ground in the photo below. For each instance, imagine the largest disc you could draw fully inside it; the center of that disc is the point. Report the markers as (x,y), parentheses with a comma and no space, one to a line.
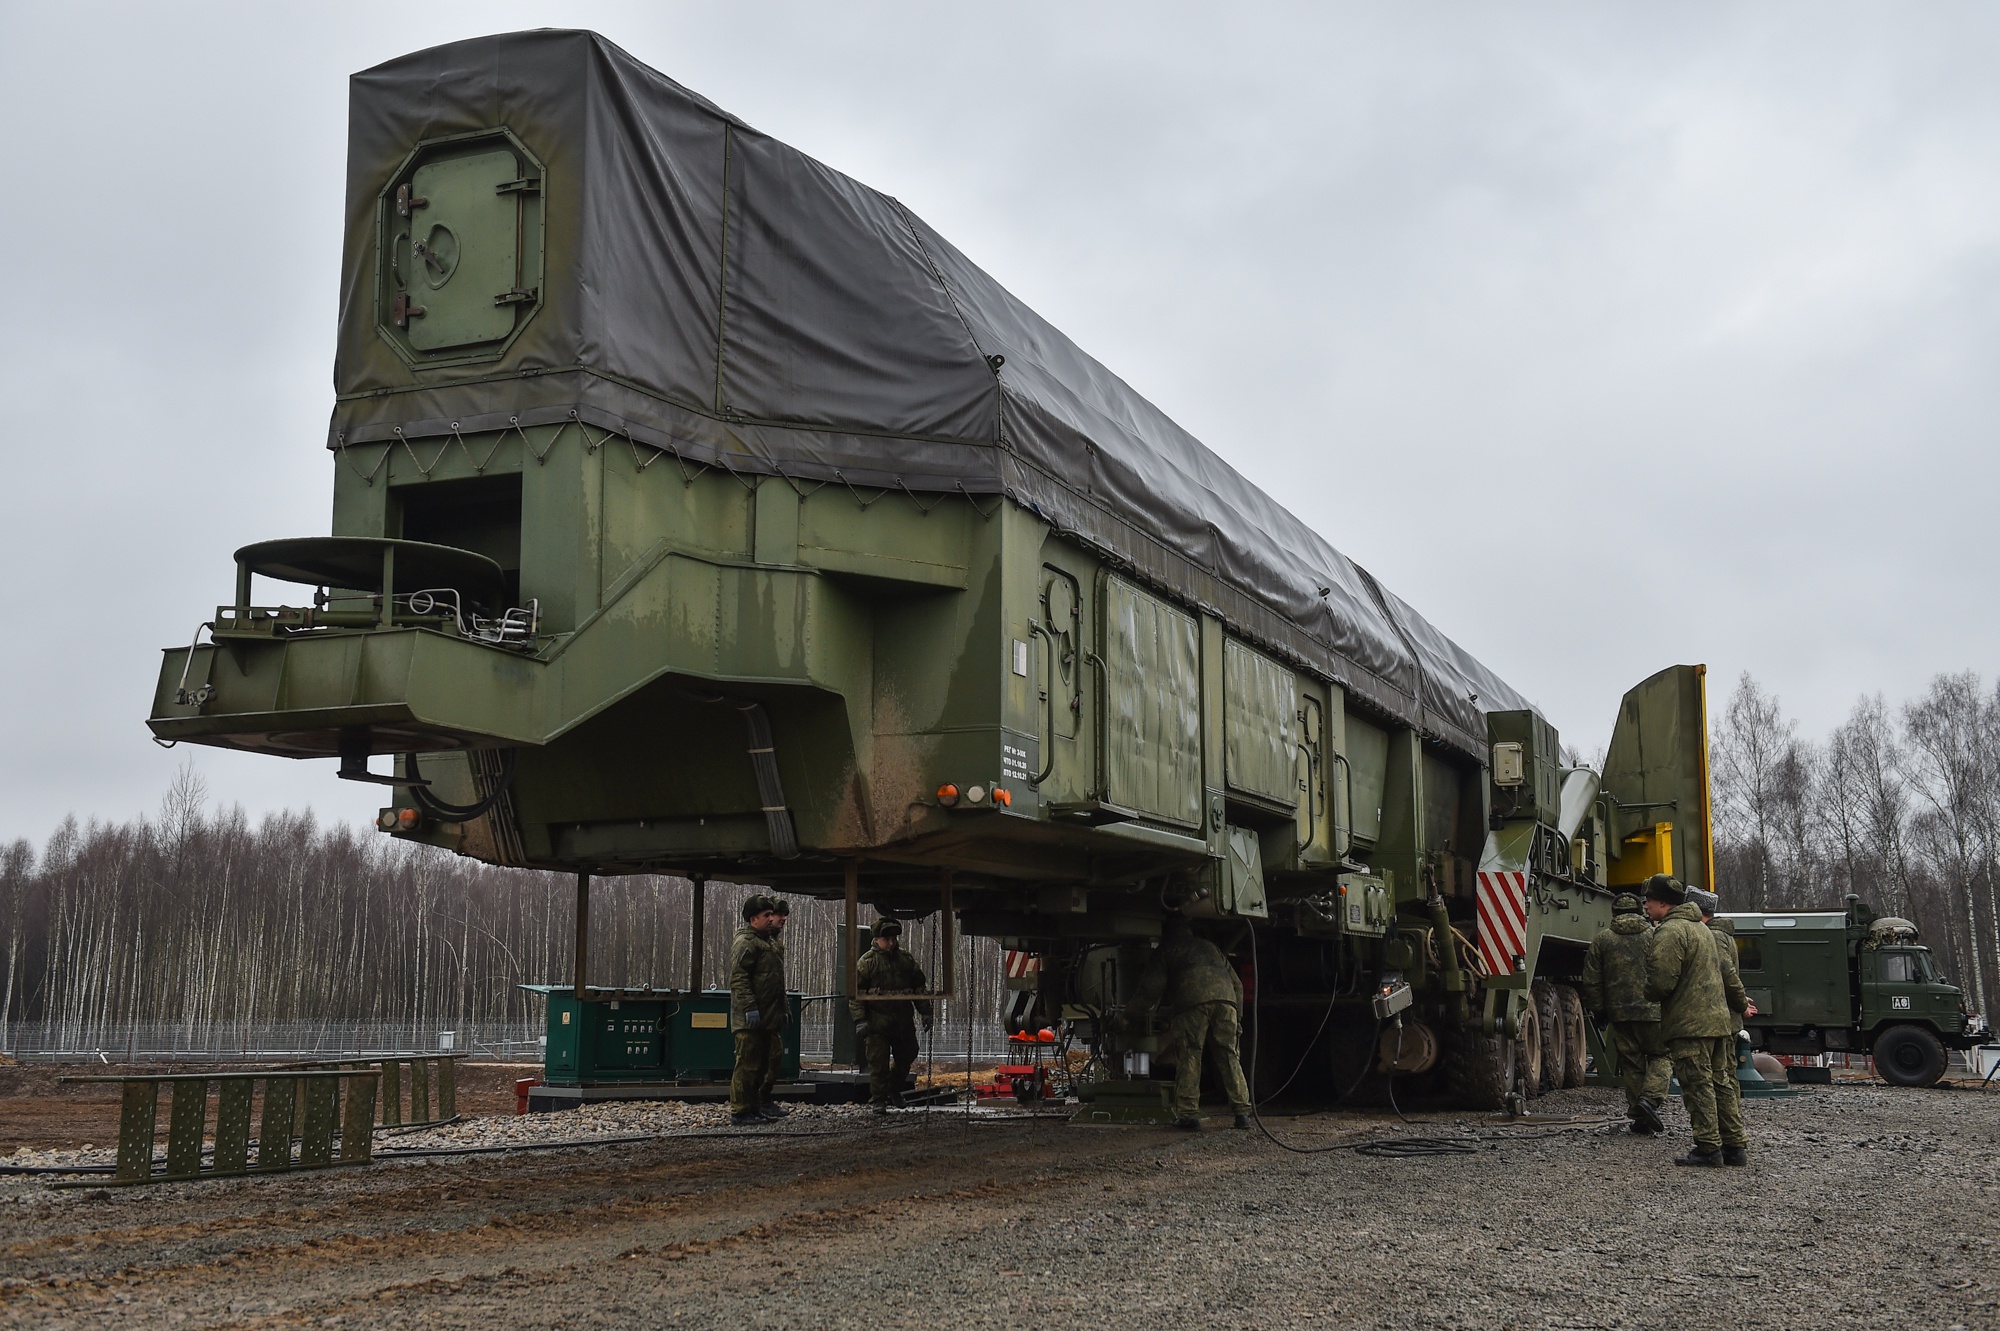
(1865,1207)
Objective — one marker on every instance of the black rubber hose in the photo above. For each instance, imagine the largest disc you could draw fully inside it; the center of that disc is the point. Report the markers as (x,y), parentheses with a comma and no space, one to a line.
(432,807)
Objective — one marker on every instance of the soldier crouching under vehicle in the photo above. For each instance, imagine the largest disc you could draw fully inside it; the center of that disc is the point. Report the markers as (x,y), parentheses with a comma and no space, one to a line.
(1614,987)
(887,1028)
(1203,1001)
(1685,977)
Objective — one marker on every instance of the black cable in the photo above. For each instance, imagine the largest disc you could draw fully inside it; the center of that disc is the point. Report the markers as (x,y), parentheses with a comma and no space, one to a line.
(712,1134)
(437,809)
(58,1169)
(1412,1148)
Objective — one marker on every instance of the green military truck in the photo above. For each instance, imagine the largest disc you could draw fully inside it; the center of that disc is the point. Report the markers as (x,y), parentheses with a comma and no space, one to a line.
(1850,981)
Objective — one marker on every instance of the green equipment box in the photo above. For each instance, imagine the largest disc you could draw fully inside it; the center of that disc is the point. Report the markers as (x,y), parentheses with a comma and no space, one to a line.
(626,1036)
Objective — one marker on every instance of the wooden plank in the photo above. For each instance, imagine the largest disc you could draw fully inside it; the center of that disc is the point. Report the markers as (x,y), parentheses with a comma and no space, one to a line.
(232,1126)
(185,1121)
(274,1140)
(420,1090)
(135,1130)
(447,1080)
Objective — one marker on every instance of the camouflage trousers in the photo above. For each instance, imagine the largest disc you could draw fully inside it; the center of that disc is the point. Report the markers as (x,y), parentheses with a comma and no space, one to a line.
(1642,1062)
(1728,1095)
(1212,1030)
(1717,1119)
(758,1054)
(891,1051)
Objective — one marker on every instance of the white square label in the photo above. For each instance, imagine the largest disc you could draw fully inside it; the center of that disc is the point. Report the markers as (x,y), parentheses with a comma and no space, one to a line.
(1020,658)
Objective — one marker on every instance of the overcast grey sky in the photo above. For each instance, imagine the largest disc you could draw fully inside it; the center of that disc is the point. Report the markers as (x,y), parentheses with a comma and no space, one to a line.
(1608,336)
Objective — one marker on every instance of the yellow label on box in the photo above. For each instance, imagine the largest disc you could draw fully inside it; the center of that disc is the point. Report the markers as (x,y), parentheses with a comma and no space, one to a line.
(709,1021)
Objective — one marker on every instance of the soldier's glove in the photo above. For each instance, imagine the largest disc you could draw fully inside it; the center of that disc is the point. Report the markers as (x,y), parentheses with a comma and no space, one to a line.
(930,1023)
(753,1020)
(860,1030)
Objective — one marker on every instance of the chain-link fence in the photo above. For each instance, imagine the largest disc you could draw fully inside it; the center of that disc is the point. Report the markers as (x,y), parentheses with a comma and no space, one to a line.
(512,1043)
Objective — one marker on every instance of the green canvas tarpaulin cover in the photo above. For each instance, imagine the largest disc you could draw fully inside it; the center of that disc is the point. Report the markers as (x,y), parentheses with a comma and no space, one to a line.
(711,291)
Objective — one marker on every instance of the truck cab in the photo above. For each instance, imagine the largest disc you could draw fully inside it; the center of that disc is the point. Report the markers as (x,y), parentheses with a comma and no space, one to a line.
(1850,981)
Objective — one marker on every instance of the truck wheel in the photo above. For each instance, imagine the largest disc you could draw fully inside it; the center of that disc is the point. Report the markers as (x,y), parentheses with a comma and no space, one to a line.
(1555,1045)
(1479,1069)
(1909,1056)
(1575,1044)
(1528,1059)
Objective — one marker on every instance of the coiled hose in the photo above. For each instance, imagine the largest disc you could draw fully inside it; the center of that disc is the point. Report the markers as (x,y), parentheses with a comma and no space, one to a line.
(433,807)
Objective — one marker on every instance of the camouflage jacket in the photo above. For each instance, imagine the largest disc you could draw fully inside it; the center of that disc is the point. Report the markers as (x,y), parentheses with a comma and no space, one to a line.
(1732,977)
(756,979)
(1185,972)
(886,972)
(1684,977)
(1614,970)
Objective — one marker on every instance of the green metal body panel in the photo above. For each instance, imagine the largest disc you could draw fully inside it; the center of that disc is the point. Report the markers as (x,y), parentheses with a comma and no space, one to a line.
(1261,701)
(606,1041)
(1152,706)
(1656,770)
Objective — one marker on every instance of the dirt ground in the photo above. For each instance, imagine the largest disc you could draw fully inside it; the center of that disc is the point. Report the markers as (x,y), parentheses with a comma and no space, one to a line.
(1865,1206)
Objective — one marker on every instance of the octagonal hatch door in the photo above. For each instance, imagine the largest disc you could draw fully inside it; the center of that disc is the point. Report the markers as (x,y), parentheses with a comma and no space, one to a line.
(465,242)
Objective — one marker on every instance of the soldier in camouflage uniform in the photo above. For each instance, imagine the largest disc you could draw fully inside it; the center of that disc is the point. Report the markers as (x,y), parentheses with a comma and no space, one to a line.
(1202,1000)
(1728,1090)
(768,1105)
(1685,979)
(757,1007)
(1614,988)
(888,1030)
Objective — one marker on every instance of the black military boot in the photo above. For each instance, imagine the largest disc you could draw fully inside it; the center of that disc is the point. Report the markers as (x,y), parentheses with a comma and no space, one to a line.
(1700,1159)
(1735,1155)
(1646,1120)
(1242,1121)
(771,1111)
(749,1119)
(1188,1124)
(880,1106)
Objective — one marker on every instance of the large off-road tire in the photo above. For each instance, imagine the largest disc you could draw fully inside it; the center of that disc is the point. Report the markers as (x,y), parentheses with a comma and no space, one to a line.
(1909,1056)
(1554,1041)
(1479,1070)
(1575,1041)
(1528,1043)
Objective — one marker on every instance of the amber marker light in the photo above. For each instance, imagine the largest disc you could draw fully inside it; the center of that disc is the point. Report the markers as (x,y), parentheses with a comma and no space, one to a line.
(406,819)
(948,794)
(1003,797)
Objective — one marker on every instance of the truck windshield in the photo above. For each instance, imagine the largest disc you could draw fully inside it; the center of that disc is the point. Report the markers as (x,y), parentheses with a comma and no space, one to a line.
(1899,968)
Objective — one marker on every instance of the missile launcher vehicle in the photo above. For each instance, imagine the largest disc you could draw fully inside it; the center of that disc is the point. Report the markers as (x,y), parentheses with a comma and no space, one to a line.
(698,510)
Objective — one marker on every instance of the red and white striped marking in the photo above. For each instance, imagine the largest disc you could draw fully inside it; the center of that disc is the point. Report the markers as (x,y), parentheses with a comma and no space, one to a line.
(1503,920)
(1020,965)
